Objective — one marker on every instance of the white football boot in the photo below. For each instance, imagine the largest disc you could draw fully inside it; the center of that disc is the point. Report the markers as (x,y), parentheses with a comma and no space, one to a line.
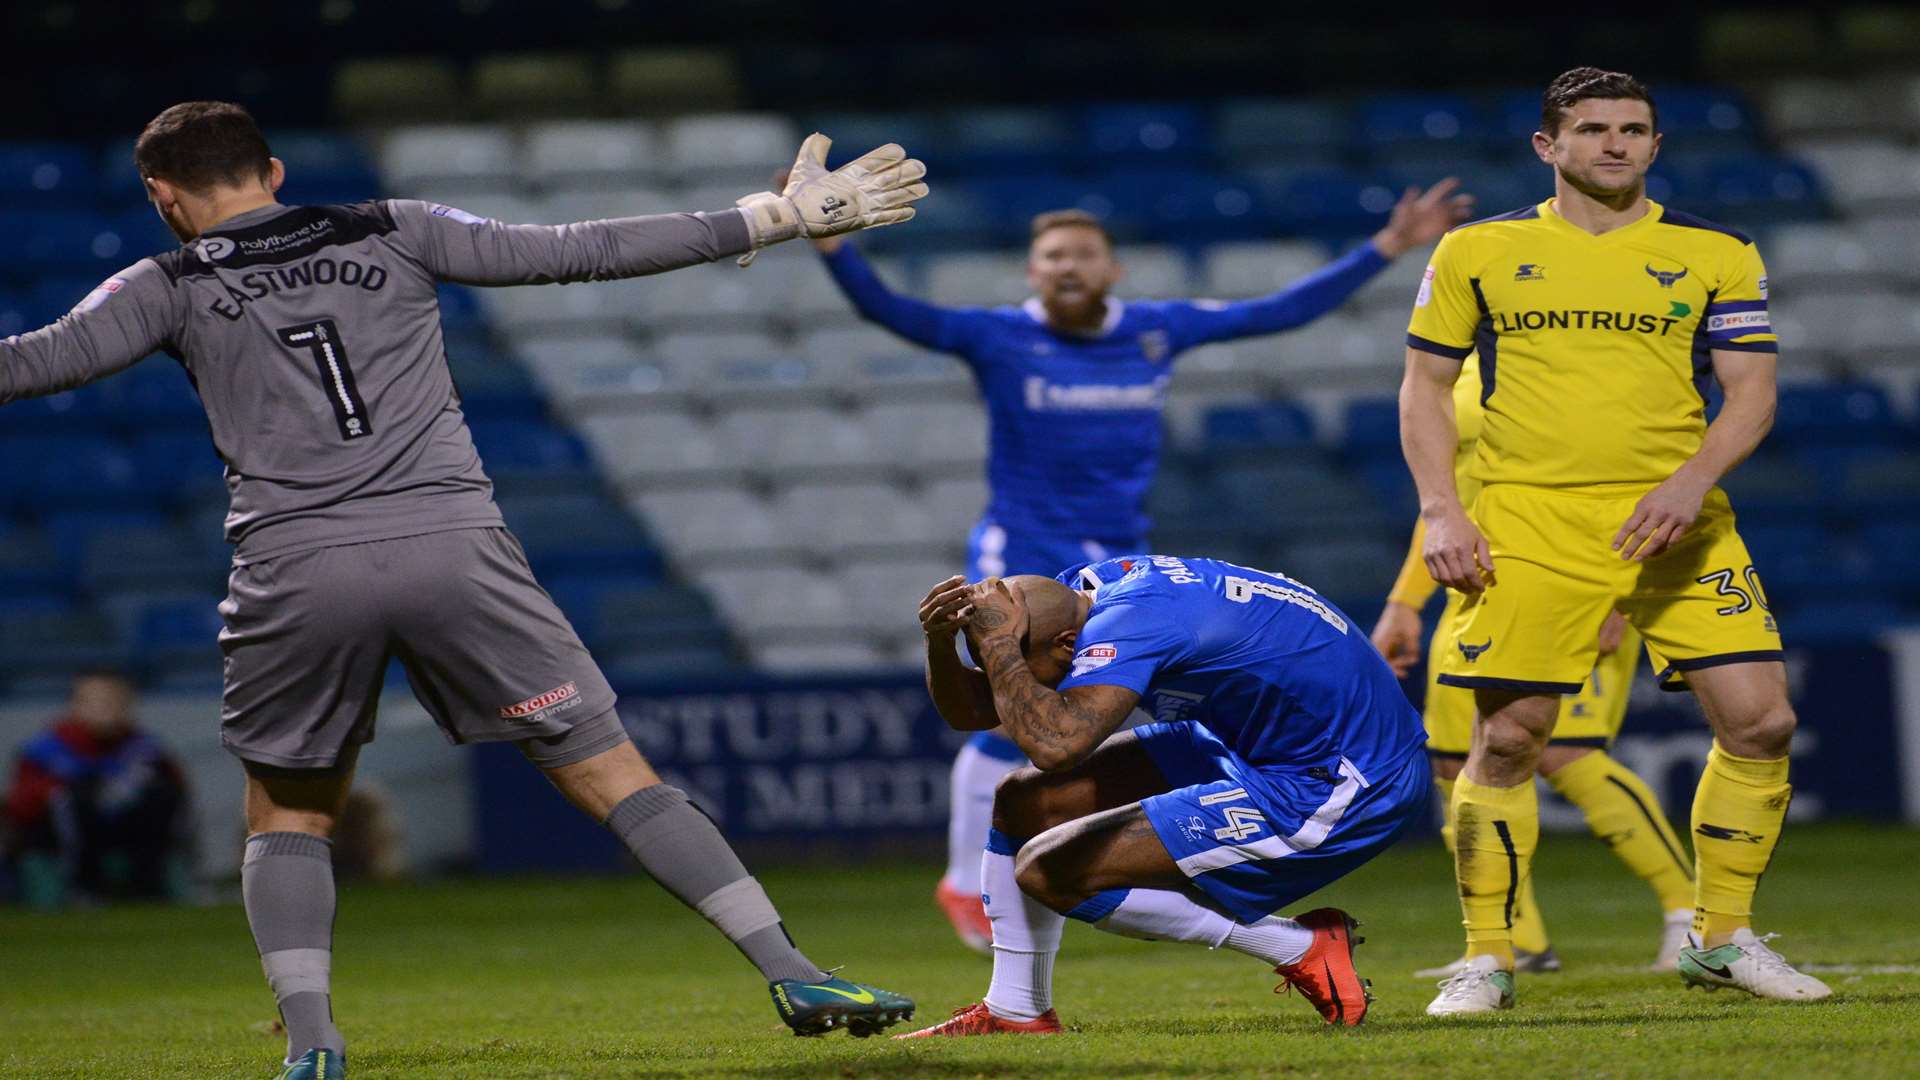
(1747,964)
(1480,986)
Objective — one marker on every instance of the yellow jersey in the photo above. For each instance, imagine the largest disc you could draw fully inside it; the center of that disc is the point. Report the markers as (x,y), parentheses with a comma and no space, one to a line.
(1595,351)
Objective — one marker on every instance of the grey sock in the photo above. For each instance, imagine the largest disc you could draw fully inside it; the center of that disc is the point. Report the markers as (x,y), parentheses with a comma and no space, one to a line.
(287,883)
(686,854)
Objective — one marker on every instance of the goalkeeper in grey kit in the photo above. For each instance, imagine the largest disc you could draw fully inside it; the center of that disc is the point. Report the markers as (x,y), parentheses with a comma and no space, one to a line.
(364,525)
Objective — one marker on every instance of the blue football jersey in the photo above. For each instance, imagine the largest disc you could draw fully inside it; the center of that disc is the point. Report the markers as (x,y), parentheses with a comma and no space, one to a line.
(1277,672)
(1075,419)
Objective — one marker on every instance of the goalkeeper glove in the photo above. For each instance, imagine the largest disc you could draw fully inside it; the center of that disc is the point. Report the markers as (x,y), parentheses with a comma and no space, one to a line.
(873,191)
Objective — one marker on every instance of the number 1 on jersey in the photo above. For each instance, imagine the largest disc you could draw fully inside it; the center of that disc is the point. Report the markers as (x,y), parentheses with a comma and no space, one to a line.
(321,339)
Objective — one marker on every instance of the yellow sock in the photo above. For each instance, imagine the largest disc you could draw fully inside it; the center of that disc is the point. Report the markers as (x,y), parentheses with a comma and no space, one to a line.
(1737,814)
(1496,830)
(1529,926)
(1625,814)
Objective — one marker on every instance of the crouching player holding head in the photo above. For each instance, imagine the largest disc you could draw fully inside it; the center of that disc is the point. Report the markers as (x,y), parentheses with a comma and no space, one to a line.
(1283,757)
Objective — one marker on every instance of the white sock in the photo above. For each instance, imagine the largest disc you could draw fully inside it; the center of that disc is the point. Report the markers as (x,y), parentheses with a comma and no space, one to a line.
(970,812)
(1275,939)
(1164,915)
(1026,935)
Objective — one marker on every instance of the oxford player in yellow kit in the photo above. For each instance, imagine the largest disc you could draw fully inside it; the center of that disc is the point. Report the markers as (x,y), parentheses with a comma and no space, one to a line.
(1599,318)
(1618,806)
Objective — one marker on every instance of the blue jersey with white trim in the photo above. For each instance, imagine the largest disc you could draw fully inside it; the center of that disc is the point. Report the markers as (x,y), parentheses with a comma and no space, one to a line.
(1275,670)
(1075,418)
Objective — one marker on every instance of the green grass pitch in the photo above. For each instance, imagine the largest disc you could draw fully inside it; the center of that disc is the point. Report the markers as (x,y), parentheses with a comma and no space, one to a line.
(611,978)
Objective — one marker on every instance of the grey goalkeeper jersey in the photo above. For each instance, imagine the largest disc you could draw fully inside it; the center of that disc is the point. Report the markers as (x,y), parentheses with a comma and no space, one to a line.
(312,334)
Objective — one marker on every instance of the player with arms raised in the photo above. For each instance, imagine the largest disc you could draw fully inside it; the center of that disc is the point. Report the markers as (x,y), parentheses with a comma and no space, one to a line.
(1283,756)
(1074,381)
(365,527)
(1599,318)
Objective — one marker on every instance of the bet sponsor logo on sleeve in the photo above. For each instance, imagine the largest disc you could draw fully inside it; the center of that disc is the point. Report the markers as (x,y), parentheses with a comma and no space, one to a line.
(1421,298)
(1094,657)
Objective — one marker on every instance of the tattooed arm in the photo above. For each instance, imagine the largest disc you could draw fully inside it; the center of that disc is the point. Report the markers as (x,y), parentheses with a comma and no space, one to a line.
(1056,730)
(959,693)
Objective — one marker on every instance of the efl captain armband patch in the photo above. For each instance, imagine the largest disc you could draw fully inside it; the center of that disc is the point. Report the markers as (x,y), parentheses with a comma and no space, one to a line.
(1738,319)
(456,214)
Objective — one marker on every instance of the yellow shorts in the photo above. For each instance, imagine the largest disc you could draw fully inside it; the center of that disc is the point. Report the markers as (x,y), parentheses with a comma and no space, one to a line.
(1591,717)
(1698,604)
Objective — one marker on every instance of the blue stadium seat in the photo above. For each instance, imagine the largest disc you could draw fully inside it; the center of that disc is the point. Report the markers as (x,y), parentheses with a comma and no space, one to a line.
(166,557)
(460,310)
(1814,571)
(580,533)
(1820,621)
(37,176)
(326,159)
(1298,494)
(1372,429)
(156,394)
(494,389)
(68,471)
(1516,116)
(16,308)
(1250,131)
(986,140)
(1884,487)
(180,466)
(54,296)
(1835,414)
(1694,114)
(62,241)
(1424,118)
(1328,204)
(70,531)
(1173,134)
(44,642)
(1762,190)
(1894,550)
(1392,484)
(86,411)
(1182,206)
(1274,425)
(173,633)
(141,234)
(1018,198)
(28,565)
(952,215)
(509,446)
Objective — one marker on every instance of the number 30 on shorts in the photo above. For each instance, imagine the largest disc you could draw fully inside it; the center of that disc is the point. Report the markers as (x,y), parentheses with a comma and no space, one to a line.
(1743,599)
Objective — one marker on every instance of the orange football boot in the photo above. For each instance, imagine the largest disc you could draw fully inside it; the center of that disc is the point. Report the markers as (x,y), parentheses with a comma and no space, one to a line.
(968,916)
(1325,976)
(975,1019)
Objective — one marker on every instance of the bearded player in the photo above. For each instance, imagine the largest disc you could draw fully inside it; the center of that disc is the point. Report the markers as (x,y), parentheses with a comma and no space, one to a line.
(365,528)
(1618,806)
(1600,317)
(1074,381)
(1282,758)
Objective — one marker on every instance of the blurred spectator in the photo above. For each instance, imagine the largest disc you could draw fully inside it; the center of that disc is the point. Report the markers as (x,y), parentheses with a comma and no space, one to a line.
(97,809)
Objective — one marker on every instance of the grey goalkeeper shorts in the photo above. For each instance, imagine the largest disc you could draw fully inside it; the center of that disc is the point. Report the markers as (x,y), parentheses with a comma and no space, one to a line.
(309,635)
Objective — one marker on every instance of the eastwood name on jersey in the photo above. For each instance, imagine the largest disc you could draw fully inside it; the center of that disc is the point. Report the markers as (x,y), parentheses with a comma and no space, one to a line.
(301,275)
